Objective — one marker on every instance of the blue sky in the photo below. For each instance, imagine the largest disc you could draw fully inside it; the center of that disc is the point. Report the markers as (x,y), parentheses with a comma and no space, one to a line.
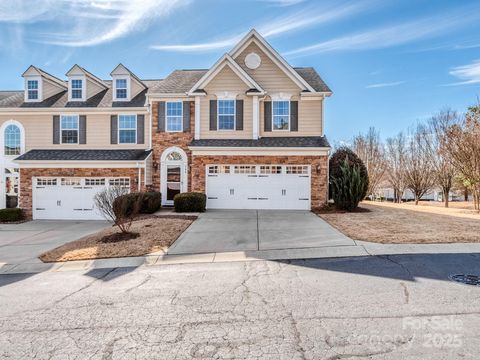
(389,63)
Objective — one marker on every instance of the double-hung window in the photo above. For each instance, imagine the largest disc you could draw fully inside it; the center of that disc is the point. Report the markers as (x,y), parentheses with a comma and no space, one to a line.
(32,89)
(281,115)
(174,116)
(77,88)
(127,129)
(226,114)
(69,129)
(121,88)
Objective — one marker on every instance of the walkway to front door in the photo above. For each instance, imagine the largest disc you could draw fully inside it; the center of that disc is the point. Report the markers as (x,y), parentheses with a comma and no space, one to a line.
(244,230)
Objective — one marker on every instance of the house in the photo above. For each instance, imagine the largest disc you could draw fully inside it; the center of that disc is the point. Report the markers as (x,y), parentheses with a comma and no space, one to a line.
(249,132)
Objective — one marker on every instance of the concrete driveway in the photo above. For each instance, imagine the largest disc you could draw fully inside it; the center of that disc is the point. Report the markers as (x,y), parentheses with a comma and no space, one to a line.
(23,243)
(253,230)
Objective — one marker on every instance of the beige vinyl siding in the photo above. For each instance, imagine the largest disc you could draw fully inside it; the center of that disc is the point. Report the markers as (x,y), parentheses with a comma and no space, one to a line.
(39,132)
(268,75)
(50,89)
(135,88)
(310,114)
(226,81)
(93,88)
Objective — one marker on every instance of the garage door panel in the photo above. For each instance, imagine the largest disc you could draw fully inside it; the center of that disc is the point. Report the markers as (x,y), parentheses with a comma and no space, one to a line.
(269,187)
(67,198)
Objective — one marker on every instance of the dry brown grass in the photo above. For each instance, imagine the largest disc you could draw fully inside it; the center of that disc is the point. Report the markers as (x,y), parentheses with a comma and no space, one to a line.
(155,234)
(403,223)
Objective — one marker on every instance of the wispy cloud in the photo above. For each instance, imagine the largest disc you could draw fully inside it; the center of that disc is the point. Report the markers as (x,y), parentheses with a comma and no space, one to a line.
(80,23)
(469,74)
(297,21)
(283,2)
(386,84)
(390,35)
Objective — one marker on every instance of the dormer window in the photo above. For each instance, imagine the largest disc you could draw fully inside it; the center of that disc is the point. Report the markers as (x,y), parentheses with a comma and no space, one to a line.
(77,89)
(121,89)
(32,89)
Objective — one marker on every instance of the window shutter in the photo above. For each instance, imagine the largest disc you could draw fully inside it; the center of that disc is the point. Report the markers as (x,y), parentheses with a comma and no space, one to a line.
(239,115)
(267,113)
(186,115)
(161,116)
(114,129)
(213,114)
(140,129)
(82,127)
(56,129)
(293,115)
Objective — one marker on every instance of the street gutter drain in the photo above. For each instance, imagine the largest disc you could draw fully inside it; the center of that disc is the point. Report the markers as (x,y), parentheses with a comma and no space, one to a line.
(466,279)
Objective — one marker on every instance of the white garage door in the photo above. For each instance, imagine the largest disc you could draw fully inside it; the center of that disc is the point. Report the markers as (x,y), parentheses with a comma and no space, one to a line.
(69,198)
(258,187)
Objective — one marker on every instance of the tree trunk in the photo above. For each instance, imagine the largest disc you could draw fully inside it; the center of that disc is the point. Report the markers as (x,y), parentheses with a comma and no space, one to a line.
(416,199)
(465,194)
(445,197)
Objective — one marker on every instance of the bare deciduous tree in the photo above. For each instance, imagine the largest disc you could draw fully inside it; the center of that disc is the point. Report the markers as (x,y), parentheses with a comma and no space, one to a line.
(463,145)
(436,140)
(121,213)
(396,153)
(420,176)
(370,149)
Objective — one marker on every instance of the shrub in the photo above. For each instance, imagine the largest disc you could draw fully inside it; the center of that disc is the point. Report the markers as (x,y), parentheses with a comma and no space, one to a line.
(190,202)
(337,160)
(13,214)
(349,186)
(149,202)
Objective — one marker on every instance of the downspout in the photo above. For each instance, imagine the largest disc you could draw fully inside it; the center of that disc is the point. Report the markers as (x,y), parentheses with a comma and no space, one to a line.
(139,182)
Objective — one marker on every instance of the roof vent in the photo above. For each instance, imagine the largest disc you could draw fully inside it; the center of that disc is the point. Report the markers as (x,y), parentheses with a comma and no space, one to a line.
(252,61)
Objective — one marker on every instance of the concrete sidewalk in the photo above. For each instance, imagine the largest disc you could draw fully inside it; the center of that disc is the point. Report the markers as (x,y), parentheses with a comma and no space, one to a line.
(360,249)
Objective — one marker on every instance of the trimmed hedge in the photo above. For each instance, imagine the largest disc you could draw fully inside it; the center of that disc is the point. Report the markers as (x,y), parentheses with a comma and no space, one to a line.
(13,214)
(150,202)
(190,202)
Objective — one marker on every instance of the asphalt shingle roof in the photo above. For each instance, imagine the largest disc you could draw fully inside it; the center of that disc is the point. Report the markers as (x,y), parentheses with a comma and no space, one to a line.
(85,155)
(179,81)
(103,99)
(290,141)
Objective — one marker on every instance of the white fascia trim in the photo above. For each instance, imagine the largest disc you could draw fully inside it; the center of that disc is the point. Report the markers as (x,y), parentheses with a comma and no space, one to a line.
(154,96)
(258,151)
(72,110)
(31,164)
(316,94)
(273,55)
(217,67)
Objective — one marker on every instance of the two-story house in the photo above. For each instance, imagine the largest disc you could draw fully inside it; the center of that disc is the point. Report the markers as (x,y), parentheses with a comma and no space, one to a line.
(248,132)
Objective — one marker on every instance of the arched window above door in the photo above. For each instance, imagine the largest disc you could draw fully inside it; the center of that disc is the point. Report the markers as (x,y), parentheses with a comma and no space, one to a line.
(12,140)
(174,156)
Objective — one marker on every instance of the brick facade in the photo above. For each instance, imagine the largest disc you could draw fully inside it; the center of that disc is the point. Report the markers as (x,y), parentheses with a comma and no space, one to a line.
(163,140)
(319,171)
(27,174)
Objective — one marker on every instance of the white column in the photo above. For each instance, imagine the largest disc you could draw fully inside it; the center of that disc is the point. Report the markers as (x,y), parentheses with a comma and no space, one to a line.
(197,117)
(256,118)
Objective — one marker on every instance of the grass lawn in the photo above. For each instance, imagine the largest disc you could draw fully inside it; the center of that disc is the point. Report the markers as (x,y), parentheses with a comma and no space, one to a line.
(155,234)
(406,223)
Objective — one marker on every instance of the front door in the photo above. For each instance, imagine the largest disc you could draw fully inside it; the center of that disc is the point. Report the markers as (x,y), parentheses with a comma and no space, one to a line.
(174,182)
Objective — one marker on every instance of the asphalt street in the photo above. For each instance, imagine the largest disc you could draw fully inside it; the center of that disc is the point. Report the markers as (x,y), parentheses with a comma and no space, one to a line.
(382,307)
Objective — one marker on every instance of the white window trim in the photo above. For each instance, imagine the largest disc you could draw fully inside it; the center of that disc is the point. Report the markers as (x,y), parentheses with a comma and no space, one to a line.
(3,127)
(118,129)
(40,88)
(273,116)
(234,114)
(84,87)
(121,77)
(166,116)
(78,129)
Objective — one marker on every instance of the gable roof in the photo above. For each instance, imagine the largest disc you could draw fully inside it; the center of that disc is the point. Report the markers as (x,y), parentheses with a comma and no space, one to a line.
(88,74)
(120,65)
(254,36)
(47,76)
(226,60)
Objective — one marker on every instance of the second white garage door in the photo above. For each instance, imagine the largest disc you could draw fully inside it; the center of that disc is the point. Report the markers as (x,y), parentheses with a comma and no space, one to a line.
(258,187)
(69,198)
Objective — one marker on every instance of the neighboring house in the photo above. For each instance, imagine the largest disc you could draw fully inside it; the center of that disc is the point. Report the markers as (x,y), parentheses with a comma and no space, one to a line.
(248,132)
